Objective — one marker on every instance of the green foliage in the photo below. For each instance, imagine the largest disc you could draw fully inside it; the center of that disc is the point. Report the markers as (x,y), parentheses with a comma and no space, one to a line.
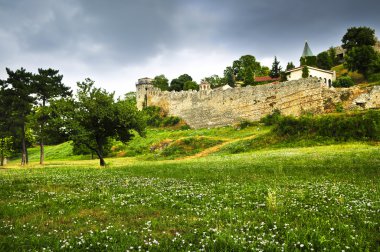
(359,126)
(170,121)
(190,85)
(6,150)
(178,83)
(374,77)
(271,119)
(308,61)
(344,81)
(361,58)
(245,124)
(155,117)
(339,107)
(305,72)
(357,37)
(215,81)
(324,61)
(276,69)
(332,55)
(289,66)
(94,118)
(161,82)
(249,77)
(229,76)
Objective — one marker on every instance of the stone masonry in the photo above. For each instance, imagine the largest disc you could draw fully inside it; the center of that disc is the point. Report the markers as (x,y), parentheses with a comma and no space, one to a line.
(217,107)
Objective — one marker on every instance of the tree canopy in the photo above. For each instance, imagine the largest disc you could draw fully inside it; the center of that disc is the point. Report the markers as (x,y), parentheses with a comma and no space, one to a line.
(93,119)
(161,82)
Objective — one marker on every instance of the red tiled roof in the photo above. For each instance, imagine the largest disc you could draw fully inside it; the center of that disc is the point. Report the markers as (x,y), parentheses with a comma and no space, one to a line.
(265,78)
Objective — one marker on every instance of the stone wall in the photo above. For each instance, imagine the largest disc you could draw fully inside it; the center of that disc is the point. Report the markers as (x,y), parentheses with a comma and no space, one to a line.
(218,107)
(213,108)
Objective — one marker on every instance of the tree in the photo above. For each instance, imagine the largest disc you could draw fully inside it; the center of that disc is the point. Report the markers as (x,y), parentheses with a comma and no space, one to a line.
(249,78)
(161,82)
(305,72)
(289,66)
(276,69)
(361,59)
(47,85)
(18,88)
(324,61)
(358,36)
(94,118)
(214,80)
(229,76)
(6,140)
(332,56)
(178,83)
(190,85)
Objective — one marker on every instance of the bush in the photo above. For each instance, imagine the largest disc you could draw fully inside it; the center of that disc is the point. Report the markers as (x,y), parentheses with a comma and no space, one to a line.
(374,77)
(155,117)
(344,81)
(271,119)
(245,123)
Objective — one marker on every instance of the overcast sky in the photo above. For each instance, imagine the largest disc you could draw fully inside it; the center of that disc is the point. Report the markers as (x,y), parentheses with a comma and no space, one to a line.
(115,42)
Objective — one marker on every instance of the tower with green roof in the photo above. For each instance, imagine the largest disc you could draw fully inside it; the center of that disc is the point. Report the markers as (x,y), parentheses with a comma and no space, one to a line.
(307,51)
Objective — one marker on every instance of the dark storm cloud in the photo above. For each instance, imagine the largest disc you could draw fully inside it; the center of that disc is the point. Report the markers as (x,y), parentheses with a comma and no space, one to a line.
(100,35)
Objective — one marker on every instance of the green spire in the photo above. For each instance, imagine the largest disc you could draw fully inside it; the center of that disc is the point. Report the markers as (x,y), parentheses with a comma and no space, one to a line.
(306,51)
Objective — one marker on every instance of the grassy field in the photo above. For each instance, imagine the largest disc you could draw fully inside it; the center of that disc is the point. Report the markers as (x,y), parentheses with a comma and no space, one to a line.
(273,198)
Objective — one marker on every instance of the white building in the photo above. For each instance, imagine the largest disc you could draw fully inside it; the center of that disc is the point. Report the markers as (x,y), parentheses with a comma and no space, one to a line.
(325,76)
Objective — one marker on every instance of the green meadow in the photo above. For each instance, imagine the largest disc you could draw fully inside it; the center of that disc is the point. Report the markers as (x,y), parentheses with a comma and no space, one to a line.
(226,189)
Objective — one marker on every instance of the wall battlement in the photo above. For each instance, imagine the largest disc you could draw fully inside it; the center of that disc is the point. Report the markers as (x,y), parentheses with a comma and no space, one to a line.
(218,107)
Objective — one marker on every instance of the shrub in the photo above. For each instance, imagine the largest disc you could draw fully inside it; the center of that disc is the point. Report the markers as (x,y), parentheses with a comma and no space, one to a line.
(344,81)
(271,119)
(245,123)
(374,77)
(170,121)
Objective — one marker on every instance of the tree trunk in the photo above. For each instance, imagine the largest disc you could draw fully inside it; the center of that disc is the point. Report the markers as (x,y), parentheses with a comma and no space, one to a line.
(102,162)
(23,150)
(42,153)
(2,158)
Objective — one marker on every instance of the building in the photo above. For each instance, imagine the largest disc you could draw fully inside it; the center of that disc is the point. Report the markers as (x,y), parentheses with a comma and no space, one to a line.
(325,76)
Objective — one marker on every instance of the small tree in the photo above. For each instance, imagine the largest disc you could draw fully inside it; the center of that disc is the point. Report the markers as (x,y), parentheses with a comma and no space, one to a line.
(305,72)
(289,66)
(94,118)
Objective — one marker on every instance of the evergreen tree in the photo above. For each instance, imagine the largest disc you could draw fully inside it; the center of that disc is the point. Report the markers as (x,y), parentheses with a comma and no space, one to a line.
(289,66)
(276,69)
(305,72)
(47,85)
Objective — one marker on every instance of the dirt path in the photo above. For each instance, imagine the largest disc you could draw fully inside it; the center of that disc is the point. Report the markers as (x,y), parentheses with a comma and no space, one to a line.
(215,148)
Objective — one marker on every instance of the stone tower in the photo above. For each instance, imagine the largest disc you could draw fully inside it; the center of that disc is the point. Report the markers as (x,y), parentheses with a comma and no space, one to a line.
(143,86)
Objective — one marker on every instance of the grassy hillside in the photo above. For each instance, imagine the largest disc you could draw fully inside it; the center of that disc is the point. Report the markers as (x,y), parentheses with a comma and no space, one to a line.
(312,198)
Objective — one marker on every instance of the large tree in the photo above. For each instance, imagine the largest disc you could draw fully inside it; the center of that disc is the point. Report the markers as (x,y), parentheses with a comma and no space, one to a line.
(214,80)
(358,36)
(94,119)
(190,85)
(47,85)
(18,88)
(360,56)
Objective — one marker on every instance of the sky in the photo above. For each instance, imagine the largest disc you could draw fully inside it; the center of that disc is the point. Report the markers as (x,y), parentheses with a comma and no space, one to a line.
(116,42)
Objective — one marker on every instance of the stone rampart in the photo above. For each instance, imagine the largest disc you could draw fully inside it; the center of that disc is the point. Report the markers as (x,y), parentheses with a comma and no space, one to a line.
(213,108)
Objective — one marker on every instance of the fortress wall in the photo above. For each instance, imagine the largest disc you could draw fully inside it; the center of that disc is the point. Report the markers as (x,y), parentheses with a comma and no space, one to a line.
(213,108)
